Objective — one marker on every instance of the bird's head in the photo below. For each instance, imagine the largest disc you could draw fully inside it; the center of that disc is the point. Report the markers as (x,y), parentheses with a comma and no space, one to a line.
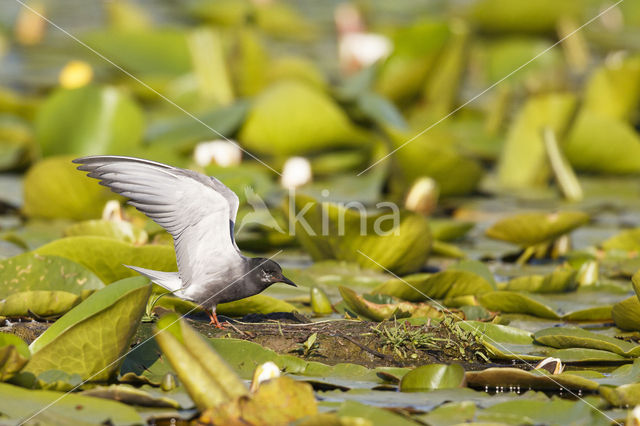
(267,272)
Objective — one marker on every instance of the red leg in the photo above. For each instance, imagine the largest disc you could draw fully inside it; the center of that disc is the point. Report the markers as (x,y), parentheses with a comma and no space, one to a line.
(214,319)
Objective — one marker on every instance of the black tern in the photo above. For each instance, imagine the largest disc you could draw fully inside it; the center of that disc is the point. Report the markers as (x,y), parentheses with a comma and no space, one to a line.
(199,212)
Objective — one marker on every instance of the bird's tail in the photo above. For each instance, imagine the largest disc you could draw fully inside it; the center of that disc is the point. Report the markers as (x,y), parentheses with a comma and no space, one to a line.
(169,280)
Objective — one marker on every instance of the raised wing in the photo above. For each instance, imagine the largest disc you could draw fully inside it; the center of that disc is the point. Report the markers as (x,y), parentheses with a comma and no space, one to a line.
(197,210)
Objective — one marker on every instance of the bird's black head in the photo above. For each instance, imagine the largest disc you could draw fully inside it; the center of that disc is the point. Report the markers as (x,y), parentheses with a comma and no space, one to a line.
(267,272)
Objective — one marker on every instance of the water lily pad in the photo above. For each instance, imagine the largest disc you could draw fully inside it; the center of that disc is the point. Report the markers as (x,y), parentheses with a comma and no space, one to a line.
(393,240)
(207,378)
(130,395)
(293,118)
(257,304)
(441,285)
(570,337)
(528,229)
(163,52)
(433,376)
(576,306)
(88,120)
(119,230)
(536,379)
(523,162)
(505,342)
(71,343)
(374,415)
(627,240)
(106,256)
(21,405)
(626,314)
(601,144)
(381,312)
(42,303)
(14,354)
(449,230)
(53,188)
(622,396)
(559,281)
(552,412)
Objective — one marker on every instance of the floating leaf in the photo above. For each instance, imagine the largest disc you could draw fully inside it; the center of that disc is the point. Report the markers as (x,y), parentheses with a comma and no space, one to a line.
(433,376)
(505,342)
(559,281)
(375,415)
(53,188)
(627,240)
(536,379)
(91,338)
(157,52)
(524,162)
(441,285)
(293,118)
(549,412)
(576,306)
(416,49)
(528,229)
(622,396)
(42,303)
(320,303)
(257,304)
(88,120)
(570,337)
(602,144)
(130,395)
(381,312)
(449,230)
(208,379)
(106,256)
(14,354)
(626,314)
(393,240)
(278,401)
(48,407)
(119,230)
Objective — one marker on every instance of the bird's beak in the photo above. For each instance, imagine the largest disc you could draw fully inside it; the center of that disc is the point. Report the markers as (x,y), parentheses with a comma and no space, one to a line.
(287,281)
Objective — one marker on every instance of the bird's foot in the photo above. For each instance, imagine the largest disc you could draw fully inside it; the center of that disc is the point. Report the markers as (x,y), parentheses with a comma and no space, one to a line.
(214,321)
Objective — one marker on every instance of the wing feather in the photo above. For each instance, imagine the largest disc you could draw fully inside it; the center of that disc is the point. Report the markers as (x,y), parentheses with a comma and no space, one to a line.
(198,211)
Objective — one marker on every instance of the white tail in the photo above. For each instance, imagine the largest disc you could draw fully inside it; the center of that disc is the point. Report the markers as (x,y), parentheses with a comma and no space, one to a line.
(169,280)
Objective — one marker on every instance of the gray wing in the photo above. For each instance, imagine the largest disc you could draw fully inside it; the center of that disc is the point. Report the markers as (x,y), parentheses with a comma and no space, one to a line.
(197,210)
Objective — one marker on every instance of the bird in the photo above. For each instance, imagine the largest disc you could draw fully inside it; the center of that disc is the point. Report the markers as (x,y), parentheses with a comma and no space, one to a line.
(199,212)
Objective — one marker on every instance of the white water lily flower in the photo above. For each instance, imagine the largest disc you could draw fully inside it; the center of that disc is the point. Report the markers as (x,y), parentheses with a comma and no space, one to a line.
(296,172)
(267,371)
(221,152)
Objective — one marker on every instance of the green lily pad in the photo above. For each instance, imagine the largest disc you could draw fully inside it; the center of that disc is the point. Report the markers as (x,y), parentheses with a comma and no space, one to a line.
(157,52)
(569,337)
(207,378)
(48,407)
(43,285)
(524,162)
(585,355)
(290,118)
(53,189)
(331,273)
(14,355)
(320,303)
(106,256)
(626,314)
(449,230)
(613,89)
(628,240)
(42,303)
(437,146)
(528,229)
(131,396)
(257,304)
(381,312)
(416,50)
(441,285)
(433,376)
(88,120)
(559,281)
(30,271)
(536,379)
(552,412)
(374,415)
(91,338)
(505,342)
(576,306)
(602,144)
(119,230)
(397,241)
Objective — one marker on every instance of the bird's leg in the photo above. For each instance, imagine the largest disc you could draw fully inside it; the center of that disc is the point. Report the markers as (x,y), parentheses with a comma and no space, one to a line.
(214,319)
